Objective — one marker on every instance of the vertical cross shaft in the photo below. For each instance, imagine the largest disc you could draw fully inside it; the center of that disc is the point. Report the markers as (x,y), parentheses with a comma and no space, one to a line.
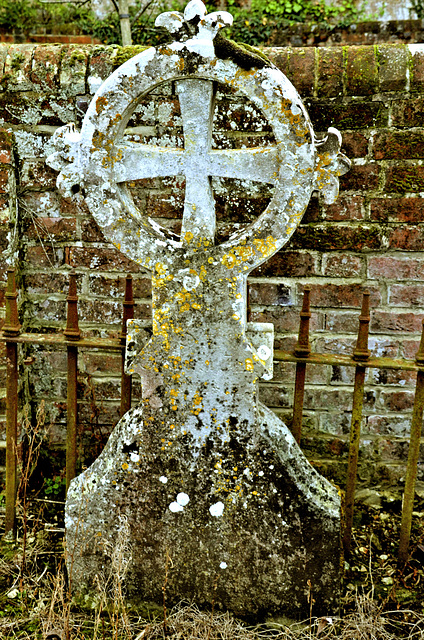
(196,103)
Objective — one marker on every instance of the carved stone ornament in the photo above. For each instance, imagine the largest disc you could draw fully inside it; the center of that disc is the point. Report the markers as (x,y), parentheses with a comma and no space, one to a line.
(212,483)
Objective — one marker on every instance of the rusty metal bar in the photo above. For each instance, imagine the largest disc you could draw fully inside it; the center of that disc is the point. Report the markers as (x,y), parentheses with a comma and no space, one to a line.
(59,340)
(413,454)
(114,344)
(301,350)
(72,333)
(361,353)
(11,329)
(128,314)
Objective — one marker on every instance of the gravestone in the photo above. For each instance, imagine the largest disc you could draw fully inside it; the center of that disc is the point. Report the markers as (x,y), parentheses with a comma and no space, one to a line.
(217,494)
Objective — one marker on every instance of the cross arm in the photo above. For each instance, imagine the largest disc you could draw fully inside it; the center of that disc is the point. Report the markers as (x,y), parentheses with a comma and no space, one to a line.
(260,164)
(135,161)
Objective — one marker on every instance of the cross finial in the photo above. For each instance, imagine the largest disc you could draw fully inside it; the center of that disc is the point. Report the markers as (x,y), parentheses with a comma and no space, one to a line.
(195,27)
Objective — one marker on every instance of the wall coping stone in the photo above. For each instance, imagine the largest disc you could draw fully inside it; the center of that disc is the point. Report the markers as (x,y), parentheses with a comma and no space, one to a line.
(319,72)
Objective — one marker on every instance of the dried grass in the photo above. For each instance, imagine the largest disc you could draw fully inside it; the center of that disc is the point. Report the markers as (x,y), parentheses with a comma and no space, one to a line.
(36,603)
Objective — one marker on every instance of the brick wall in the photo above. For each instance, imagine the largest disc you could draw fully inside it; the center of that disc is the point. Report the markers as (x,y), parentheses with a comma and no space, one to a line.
(371,238)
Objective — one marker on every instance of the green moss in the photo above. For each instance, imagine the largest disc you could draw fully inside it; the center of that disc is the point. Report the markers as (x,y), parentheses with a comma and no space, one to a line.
(17,61)
(242,54)
(406,181)
(125,53)
(336,238)
(76,56)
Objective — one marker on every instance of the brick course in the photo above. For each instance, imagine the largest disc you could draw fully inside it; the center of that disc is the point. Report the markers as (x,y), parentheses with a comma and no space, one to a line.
(372,237)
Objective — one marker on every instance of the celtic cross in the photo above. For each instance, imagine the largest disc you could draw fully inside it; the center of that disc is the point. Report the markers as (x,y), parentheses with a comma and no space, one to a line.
(199,467)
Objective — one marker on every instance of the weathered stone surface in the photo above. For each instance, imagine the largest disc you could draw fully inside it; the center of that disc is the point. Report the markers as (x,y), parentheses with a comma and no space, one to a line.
(211,482)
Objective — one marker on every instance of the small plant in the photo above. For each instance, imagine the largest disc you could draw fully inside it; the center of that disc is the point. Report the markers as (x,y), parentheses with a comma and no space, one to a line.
(418,7)
(55,488)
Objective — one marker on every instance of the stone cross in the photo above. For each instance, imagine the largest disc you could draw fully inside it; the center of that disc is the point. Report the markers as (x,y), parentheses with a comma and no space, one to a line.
(205,474)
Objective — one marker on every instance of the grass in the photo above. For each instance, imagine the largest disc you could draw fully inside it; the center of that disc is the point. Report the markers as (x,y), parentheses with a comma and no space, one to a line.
(380,602)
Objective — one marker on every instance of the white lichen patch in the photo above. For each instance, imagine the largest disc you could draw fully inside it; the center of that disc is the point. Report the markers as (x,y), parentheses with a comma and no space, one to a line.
(183,499)
(175,507)
(217,509)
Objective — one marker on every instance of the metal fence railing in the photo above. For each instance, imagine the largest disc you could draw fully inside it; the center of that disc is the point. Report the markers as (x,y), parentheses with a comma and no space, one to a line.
(71,340)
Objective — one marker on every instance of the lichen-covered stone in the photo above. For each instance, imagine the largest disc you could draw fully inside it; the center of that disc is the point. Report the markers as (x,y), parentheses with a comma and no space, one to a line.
(220,501)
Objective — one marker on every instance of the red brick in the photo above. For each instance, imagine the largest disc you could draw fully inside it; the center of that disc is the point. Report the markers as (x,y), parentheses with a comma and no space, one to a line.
(44,203)
(361,71)
(402,145)
(274,396)
(115,287)
(45,67)
(3,55)
(285,371)
(405,179)
(17,68)
(342,295)
(409,349)
(268,294)
(361,115)
(6,144)
(35,174)
(361,178)
(342,265)
(165,206)
(397,400)
(48,38)
(53,312)
(406,295)
(392,377)
(102,311)
(301,69)
(279,56)
(395,268)
(101,259)
(330,72)
(407,238)
(355,145)
(384,348)
(44,256)
(73,69)
(5,156)
(70,208)
(56,229)
(49,282)
(408,113)
(285,320)
(333,237)
(340,399)
(392,66)
(81,39)
(345,208)
(389,425)
(417,71)
(289,264)
(90,231)
(342,322)
(387,321)
(227,114)
(313,211)
(96,363)
(101,63)
(4,180)
(398,209)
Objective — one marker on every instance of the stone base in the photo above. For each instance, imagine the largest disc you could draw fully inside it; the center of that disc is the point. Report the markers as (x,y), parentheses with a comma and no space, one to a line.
(245,522)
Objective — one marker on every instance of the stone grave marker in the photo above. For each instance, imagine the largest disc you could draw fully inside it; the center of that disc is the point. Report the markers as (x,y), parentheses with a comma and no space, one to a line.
(215,490)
